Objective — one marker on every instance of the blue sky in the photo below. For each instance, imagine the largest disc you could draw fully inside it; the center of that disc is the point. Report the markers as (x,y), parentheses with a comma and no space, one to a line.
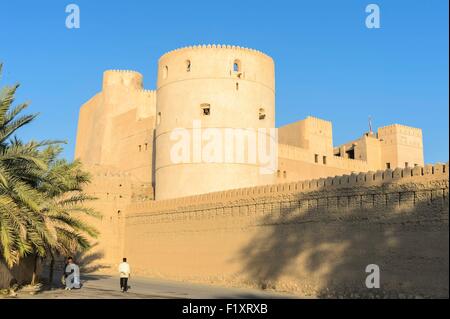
(328,64)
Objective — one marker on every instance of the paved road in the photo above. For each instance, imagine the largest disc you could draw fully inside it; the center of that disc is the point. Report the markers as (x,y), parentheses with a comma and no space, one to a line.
(103,286)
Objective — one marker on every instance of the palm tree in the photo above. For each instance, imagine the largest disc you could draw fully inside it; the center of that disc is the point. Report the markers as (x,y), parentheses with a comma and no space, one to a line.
(21,231)
(41,197)
(65,206)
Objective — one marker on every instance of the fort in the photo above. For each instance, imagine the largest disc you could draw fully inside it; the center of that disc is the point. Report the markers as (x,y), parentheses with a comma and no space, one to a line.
(310,226)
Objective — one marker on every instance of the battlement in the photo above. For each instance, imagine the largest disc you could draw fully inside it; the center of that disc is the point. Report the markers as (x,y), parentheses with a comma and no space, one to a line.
(369,179)
(123,71)
(126,78)
(221,238)
(151,94)
(206,62)
(101,171)
(400,129)
(314,119)
(147,91)
(217,46)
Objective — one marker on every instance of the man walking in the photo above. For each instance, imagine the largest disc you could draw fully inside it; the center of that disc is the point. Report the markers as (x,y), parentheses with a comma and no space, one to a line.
(125,271)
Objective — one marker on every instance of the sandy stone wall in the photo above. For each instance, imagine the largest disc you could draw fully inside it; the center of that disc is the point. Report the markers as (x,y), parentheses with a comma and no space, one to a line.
(297,164)
(19,274)
(113,190)
(311,238)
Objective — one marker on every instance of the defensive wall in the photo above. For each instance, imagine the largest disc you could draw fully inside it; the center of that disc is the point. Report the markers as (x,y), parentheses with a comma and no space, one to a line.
(311,237)
(298,164)
(113,191)
(20,274)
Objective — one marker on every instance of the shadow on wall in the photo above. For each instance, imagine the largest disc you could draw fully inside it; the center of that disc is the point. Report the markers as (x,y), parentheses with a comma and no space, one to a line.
(20,274)
(88,262)
(322,246)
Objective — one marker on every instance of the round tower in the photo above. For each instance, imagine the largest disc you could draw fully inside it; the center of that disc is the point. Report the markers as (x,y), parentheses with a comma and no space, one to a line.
(213,94)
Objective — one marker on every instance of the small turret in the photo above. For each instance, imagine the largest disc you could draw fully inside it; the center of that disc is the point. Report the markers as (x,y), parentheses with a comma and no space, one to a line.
(125,78)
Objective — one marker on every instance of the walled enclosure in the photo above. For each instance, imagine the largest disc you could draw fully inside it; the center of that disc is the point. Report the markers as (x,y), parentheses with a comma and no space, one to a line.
(195,221)
(311,238)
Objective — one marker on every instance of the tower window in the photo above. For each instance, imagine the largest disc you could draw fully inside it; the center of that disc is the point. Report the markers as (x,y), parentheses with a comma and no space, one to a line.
(206,109)
(388,165)
(351,153)
(146,146)
(165,72)
(262,114)
(278,173)
(406,164)
(237,66)
(284,174)
(316,158)
(188,65)
(158,118)
(237,86)
(140,148)
(324,160)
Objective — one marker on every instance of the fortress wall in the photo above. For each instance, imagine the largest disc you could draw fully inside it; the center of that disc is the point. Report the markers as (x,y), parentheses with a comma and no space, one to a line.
(363,179)
(401,144)
(91,122)
(368,149)
(19,274)
(113,190)
(294,134)
(134,150)
(299,164)
(131,111)
(304,155)
(115,127)
(311,237)
(320,135)
(291,170)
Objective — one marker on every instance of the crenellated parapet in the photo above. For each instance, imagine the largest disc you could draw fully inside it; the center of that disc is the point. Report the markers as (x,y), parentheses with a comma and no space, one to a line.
(125,78)
(395,218)
(110,184)
(216,62)
(379,179)
(235,48)
(147,92)
(403,129)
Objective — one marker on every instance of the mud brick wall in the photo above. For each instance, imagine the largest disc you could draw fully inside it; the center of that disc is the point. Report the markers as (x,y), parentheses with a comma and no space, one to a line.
(310,238)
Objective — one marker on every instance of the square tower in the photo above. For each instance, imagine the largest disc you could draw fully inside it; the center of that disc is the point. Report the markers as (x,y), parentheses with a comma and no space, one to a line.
(401,146)
(311,133)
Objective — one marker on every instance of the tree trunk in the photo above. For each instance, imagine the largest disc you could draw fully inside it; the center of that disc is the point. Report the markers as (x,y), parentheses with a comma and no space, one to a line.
(34,279)
(50,273)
